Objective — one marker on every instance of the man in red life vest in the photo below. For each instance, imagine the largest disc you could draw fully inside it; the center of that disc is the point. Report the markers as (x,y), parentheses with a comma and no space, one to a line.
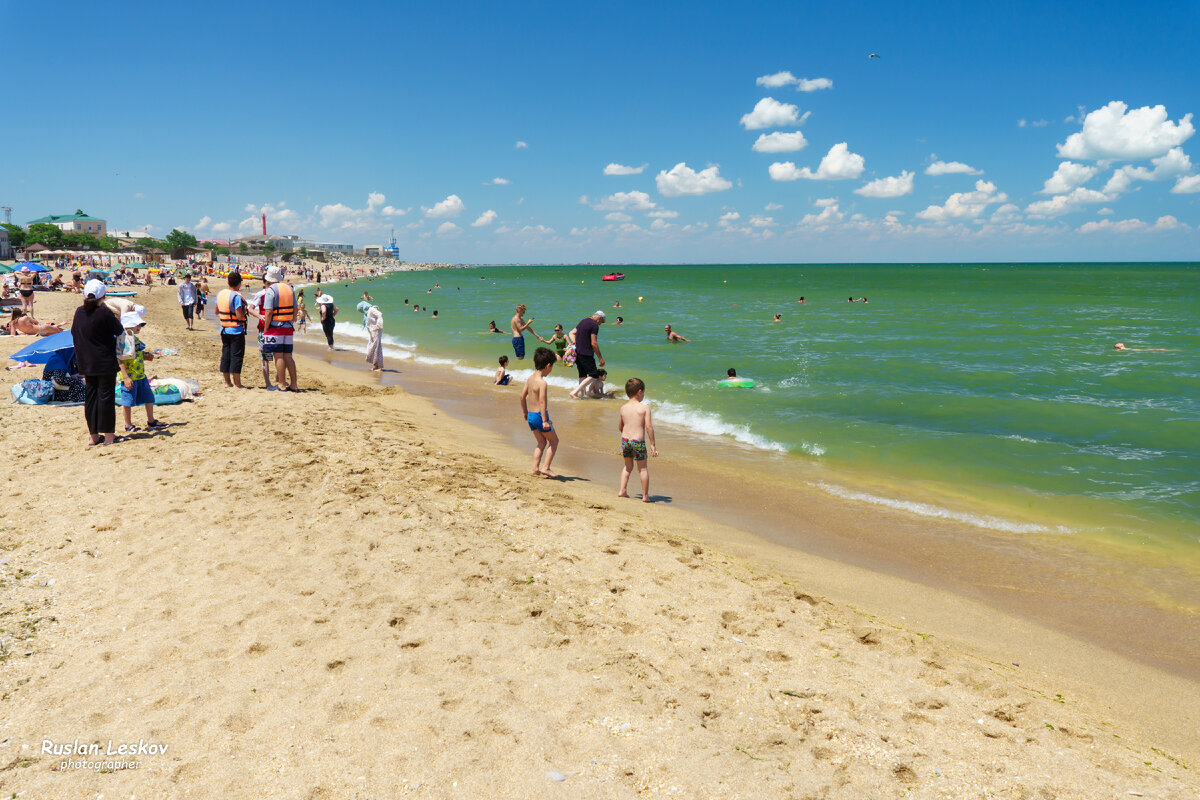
(277,305)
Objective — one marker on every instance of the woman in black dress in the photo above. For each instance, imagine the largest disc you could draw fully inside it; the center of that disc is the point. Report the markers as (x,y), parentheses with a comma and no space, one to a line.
(95,331)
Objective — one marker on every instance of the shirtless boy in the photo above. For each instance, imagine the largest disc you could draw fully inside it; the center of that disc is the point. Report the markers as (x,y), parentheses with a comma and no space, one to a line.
(636,430)
(519,325)
(535,408)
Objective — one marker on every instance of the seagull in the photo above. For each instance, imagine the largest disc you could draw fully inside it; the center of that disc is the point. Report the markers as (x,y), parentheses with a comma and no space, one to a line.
(873,55)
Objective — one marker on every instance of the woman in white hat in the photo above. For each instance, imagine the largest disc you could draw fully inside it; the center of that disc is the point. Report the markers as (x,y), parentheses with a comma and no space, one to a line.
(328,312)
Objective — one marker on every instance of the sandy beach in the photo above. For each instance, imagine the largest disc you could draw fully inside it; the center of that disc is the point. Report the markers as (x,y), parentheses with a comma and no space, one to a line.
(350,593)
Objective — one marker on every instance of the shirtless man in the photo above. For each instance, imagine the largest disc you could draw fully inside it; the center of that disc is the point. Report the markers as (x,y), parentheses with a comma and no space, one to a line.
(672,336)
(519,325)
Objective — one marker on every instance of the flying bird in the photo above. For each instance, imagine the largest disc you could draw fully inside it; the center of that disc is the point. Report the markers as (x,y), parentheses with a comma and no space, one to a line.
(873,55)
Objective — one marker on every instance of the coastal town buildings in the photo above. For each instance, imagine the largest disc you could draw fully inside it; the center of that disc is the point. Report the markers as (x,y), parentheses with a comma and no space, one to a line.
(5,247)
(78,222)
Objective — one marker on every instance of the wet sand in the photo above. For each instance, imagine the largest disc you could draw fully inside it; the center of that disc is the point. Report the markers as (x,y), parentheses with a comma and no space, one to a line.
(1137,603)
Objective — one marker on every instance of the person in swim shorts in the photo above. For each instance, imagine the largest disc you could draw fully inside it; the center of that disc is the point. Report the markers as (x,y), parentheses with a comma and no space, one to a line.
(636,430)
(502,377)
(535,407)
(519,325)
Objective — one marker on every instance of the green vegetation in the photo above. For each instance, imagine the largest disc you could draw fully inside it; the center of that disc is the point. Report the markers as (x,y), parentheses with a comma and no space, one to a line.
(177,238)
(16,234)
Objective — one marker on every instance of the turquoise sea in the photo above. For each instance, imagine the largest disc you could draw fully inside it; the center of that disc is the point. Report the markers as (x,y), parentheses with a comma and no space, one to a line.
(987,393)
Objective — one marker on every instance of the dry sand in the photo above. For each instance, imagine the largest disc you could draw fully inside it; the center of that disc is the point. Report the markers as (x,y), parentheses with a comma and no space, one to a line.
(345,593)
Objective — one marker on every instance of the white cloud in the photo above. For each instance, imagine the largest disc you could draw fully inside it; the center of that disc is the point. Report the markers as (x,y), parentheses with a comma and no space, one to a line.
(1164,223)
(772,207)
(682,180)
(521,145)
(663,213)
(498,182)
(780,142)
(392,211)
(621,169)
(813,84)
(1105,212)
(829,214)
(761,221)
(730,216)
(204,222)
(770,113)
(659,225)
(221,227)
(776,80)
(626,201)
(1189,184)
(537,230)
(965,205)
(838,164)
(786,78)
(897,186)
(1067,177)
(1172,163)
(1115,132)
(951,168)
(374,200)
(1006,213)
(1065,203)
(452,206)
(339,216)
(486,218)
(618,216)
(447,228)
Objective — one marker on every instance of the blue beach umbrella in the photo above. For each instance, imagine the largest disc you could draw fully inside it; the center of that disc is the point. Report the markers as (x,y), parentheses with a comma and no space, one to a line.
(40,351)
(32,267)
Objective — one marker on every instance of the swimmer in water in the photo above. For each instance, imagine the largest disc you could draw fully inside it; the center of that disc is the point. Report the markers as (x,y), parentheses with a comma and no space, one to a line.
(1121,348)
(672,336)
(778,318)
(620,320)
(801,300)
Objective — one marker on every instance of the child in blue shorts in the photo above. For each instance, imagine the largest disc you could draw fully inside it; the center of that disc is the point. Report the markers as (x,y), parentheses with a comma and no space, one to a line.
(135,386)
(535,409)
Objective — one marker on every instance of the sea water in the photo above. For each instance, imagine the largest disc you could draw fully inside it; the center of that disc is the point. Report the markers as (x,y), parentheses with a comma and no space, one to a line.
(990,394)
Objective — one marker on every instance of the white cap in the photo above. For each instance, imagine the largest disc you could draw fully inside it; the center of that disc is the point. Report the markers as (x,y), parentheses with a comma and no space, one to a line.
(324,299)
(95,288)
(140,309)
(273,274)
(599,314)
(131,319)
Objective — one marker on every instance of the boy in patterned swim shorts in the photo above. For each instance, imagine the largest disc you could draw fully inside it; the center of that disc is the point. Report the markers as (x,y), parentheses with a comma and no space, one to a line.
(636,429)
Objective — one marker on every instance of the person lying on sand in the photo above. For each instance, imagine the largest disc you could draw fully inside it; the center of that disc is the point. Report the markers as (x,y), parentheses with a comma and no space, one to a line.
(23,324)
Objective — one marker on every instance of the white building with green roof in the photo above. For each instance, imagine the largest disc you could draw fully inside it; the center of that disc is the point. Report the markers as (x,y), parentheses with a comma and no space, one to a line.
(78,222)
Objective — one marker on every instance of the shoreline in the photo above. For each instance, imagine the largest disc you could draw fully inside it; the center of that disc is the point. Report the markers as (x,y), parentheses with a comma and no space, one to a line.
(277,584)
(1136,602)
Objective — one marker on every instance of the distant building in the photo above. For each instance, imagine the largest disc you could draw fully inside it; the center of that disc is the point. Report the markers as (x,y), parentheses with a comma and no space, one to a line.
(373,250)
(328,247)
(5,249)
(78,222)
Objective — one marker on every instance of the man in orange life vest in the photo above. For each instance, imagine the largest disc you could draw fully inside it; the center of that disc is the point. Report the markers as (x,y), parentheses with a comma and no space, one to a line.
(231,313)
(277,305)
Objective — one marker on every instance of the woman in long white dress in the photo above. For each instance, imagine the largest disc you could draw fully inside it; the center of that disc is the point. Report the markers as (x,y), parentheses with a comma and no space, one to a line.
(374,324)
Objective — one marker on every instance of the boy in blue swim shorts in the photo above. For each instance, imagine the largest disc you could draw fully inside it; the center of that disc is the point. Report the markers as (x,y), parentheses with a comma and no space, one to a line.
(536,410)
(636,429)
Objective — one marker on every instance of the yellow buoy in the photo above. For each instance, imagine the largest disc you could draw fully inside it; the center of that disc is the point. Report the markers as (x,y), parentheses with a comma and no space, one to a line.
(639,299)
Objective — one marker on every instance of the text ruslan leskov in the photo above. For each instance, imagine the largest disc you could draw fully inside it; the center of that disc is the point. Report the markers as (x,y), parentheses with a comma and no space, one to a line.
(77,748)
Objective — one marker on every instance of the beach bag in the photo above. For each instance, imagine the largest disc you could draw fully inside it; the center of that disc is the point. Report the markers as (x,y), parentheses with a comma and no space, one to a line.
(569,356)
(36,391)
(166,394)
(126,347)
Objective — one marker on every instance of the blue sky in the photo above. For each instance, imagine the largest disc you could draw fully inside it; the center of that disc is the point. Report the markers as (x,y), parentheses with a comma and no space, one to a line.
(751,132)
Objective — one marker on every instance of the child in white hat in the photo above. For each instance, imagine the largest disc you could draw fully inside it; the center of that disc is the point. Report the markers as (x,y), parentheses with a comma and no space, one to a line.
(135,386)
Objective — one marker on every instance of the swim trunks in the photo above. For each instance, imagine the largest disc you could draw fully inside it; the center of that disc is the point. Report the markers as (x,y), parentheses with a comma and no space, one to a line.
(26,292)
(506,379)
(519,346)
(273,343)
(633,448)
(586,366)
(534,418)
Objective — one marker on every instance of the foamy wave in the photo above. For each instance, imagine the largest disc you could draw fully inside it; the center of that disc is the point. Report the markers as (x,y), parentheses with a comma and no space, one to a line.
(357,331)
(712,424)
(928,510)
